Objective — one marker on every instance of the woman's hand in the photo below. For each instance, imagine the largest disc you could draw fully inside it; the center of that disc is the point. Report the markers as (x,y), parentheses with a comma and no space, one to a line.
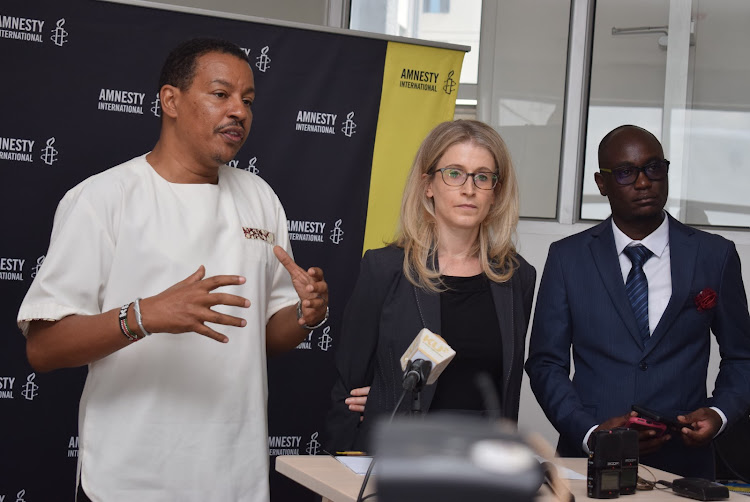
(358,400)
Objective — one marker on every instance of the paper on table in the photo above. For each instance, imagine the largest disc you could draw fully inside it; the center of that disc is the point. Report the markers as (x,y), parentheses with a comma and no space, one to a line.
(566,473)
(563,472)
(358,464)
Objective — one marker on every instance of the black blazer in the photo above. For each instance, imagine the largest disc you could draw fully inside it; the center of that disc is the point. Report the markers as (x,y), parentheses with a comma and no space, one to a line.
(383,316)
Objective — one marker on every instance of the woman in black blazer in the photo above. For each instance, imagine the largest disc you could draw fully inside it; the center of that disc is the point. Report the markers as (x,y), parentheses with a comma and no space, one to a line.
(453,269)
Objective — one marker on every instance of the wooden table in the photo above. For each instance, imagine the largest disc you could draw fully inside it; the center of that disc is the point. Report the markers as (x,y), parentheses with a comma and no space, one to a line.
(335,482)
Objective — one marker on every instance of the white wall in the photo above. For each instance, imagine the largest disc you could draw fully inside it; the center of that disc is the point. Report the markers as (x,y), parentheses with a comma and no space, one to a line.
(300,11)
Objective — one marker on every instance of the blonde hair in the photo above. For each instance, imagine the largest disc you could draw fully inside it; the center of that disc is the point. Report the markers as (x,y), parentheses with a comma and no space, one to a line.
(417,230)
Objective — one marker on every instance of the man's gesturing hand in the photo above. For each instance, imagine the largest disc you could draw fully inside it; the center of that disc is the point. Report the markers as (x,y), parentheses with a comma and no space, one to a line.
(310,286)
(186,306)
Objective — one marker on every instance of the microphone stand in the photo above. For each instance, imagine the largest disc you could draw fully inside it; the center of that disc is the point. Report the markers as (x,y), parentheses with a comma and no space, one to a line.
(416,374)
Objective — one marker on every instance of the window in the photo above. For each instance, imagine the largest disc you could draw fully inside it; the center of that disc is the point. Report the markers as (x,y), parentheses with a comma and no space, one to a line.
(436,6)
(405,18)
(522,92)
(678,70)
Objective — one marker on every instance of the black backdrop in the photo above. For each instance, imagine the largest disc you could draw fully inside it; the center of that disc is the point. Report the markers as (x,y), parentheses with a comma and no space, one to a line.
(62,122)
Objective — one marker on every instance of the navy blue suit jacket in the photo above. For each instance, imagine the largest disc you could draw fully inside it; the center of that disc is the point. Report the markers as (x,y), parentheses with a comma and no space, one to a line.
(582,303)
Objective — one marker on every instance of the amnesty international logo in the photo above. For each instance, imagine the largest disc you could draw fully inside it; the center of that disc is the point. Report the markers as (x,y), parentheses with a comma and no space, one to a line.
(11,269)
(21,28)
(324,342)
(156,106)
(419,79)
(49,152)
(31,30)
(313,446)
(59,34)
(22,150)
(337,235)
(35,269)
(450,85)
(73,446)
(349,125)
(251,166)
(20,496)
(263,62)
(317,122)
(30,390)
(17,149)
(284,445)
(116,100)
(6,387)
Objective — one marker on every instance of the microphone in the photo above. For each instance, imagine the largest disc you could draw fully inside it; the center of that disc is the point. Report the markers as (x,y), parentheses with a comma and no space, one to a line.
(425,359)
(417,372)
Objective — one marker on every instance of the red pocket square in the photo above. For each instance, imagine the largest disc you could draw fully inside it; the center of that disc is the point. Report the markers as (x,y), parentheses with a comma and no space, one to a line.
(706,299)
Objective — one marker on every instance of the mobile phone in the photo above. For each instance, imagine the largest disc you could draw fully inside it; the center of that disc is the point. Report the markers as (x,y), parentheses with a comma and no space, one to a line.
(670,422)
(646,423)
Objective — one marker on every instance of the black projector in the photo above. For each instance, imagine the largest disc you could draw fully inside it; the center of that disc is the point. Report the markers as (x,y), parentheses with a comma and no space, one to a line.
(448,458)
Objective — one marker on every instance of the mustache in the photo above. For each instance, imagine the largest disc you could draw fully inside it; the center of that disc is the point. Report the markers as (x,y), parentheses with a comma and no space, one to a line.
(234,123)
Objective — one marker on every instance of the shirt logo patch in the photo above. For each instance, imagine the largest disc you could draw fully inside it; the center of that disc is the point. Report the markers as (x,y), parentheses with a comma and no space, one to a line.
(257,233)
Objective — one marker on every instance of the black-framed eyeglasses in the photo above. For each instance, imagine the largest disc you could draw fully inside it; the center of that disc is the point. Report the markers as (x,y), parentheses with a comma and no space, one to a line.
(455,177)
(655,171)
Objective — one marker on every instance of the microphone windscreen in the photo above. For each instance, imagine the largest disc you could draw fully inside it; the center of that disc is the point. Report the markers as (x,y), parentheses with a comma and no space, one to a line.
(429,346)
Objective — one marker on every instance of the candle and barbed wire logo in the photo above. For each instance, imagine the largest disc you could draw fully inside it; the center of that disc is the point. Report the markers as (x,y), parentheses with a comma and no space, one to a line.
(450,84)
(30,390)
(156,106)
(337,235)
(251,166)
(49,152)
(20,496)
(263,62)
(313,446)
(35,269)
(349,125)
(59,34)
(324,342)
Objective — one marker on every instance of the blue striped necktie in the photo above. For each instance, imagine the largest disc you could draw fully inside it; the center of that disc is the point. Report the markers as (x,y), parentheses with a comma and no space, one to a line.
(637,287)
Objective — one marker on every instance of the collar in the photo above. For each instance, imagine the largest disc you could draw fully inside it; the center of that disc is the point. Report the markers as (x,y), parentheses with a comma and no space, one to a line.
(656,242)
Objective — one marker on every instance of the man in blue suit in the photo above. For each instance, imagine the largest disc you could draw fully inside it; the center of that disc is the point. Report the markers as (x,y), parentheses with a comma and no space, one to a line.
(640,327)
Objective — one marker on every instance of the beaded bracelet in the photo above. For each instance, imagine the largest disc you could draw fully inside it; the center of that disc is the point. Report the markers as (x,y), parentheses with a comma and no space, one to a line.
(124,323)
(139,318)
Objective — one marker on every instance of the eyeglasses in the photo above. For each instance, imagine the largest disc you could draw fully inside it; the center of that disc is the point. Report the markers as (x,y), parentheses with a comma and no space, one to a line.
(455,177)
(655,171)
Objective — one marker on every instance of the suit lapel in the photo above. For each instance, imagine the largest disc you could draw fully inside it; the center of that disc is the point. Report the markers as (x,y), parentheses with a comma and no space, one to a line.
(607,262)
(429,311)
(683,251)
(502,296)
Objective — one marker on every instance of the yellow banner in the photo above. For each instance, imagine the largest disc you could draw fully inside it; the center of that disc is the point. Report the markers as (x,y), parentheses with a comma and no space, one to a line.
(420,85)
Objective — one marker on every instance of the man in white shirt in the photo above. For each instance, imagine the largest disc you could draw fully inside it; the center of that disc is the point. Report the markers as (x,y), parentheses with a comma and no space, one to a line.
(177,245)
(637,298)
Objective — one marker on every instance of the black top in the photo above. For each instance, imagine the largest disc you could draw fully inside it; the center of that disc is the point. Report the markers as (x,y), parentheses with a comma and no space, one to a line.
(469,325)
